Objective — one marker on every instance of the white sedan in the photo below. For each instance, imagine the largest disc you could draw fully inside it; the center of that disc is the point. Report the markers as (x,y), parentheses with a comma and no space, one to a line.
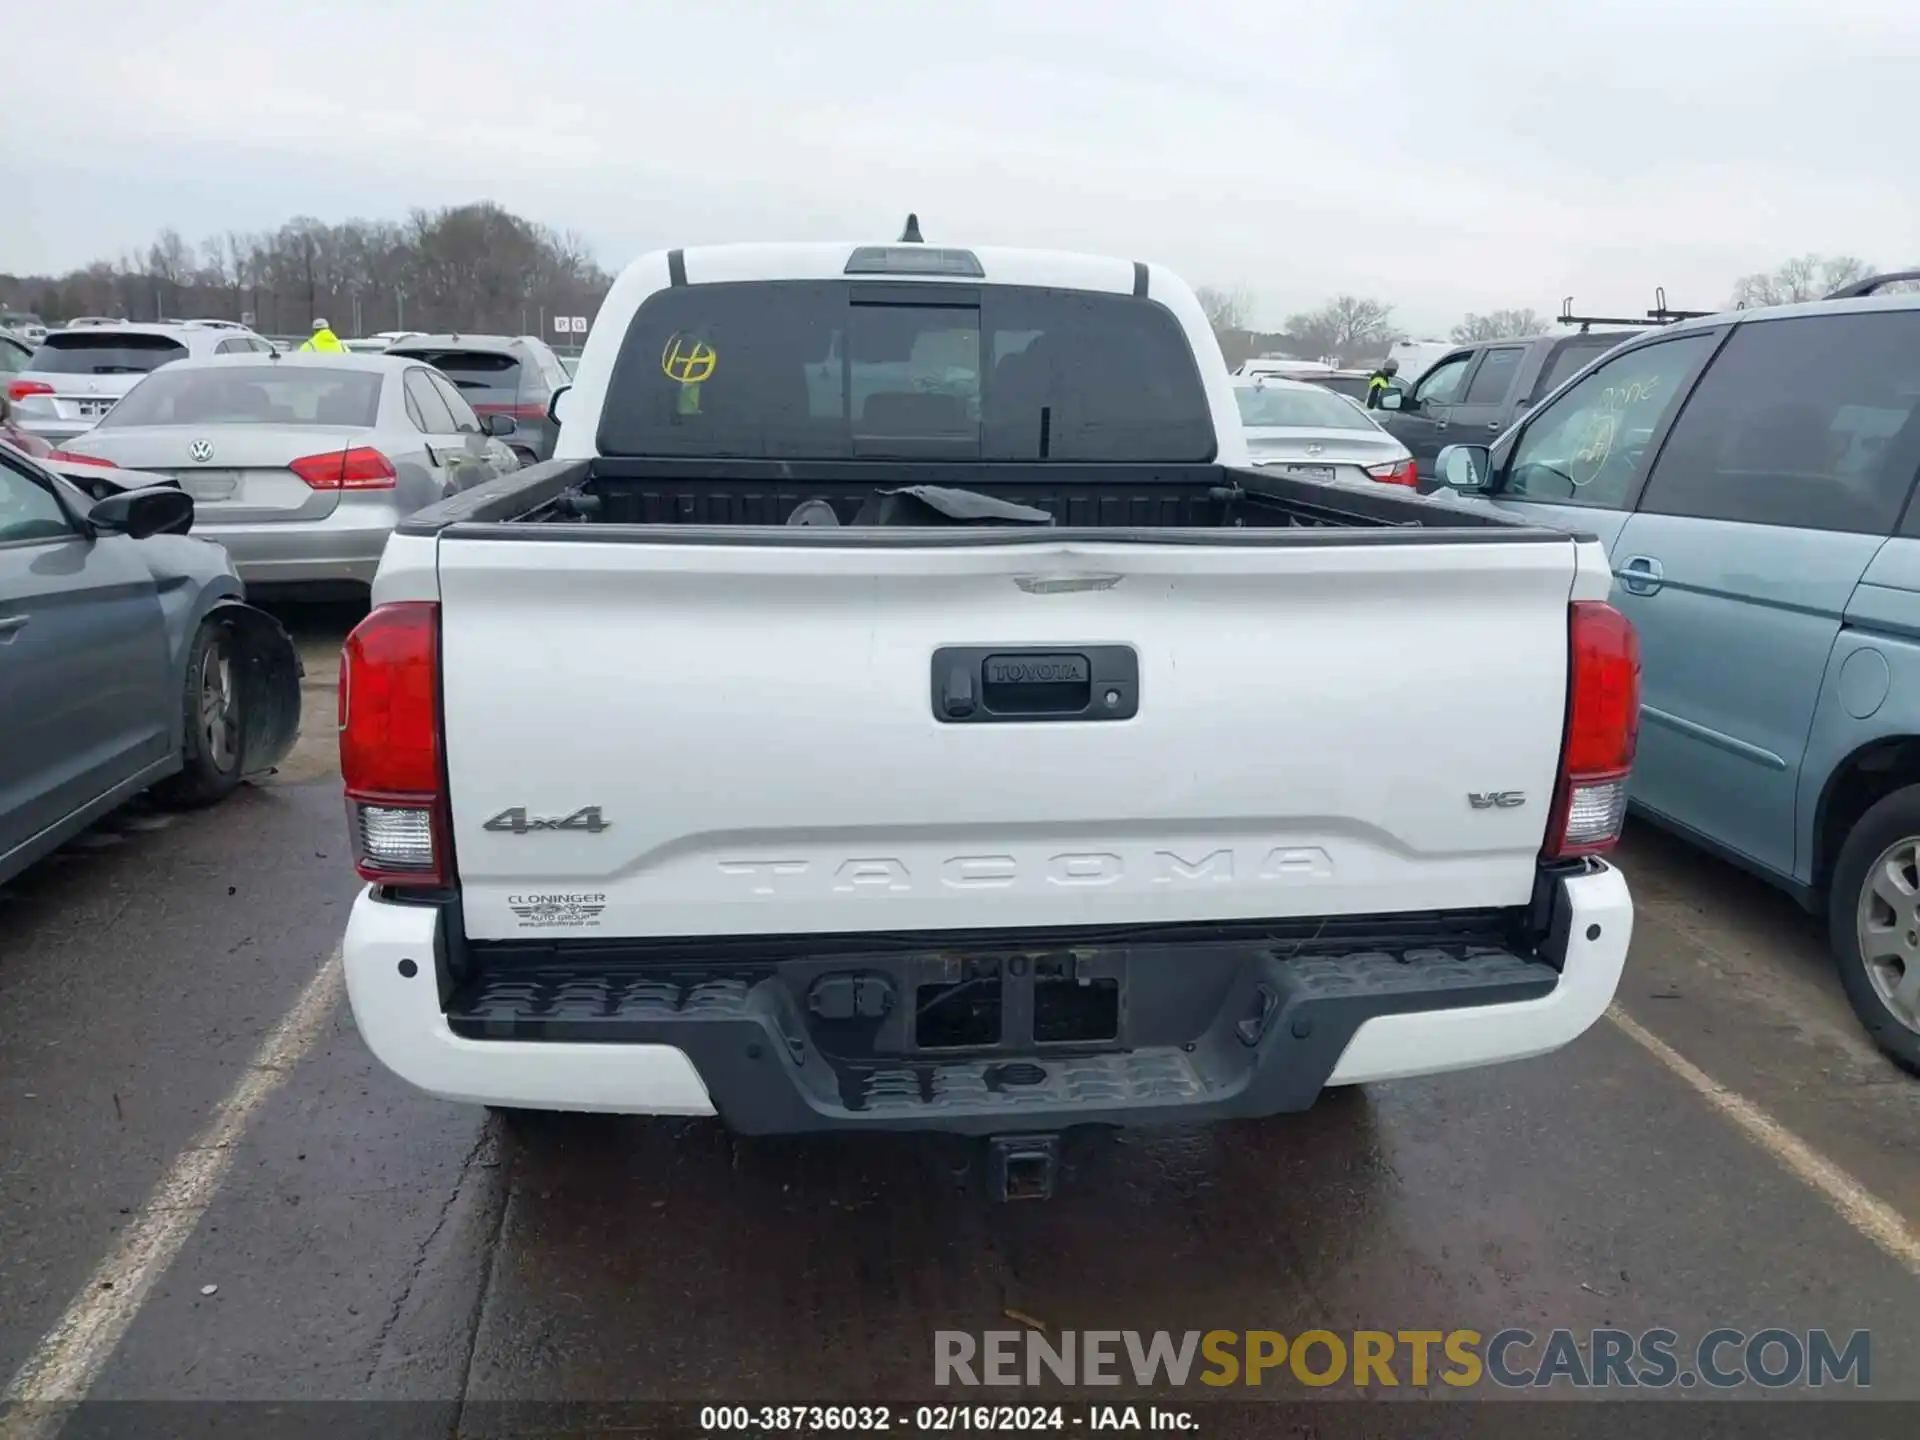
(1310,433)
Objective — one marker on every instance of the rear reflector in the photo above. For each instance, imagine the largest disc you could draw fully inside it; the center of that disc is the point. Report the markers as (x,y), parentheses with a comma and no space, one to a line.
(1398,472)
(1603,728)
(21,389)
(361,468)
(390,760)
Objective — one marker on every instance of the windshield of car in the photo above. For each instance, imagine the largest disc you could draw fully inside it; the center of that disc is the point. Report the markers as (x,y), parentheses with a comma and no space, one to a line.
(1263,406)
(13,355)
(251,395)
(104,352)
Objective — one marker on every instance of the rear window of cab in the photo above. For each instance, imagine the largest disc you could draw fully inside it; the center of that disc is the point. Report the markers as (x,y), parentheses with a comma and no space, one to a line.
(842,369)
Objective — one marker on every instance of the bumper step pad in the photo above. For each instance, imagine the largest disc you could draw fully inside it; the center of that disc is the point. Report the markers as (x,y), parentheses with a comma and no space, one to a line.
(1275,1039)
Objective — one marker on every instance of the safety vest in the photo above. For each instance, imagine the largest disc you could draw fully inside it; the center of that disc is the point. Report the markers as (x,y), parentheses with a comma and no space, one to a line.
(1377,384)
(323,340)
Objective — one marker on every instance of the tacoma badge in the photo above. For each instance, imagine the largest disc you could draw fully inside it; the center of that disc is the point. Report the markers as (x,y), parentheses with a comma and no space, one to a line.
(516,820)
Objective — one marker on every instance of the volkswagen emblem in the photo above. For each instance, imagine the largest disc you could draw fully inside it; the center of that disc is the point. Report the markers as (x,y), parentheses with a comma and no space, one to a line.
(1315,449)
(201,450)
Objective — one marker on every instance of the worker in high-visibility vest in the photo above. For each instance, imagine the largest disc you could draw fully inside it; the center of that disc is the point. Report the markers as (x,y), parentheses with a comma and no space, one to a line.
(1380,382)
(323,338)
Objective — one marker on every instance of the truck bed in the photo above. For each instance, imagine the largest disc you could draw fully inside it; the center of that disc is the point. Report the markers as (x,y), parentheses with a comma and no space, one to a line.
(729,493)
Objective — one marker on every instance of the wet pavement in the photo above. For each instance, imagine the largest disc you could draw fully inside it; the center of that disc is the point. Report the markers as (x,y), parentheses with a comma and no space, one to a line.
(369,1242)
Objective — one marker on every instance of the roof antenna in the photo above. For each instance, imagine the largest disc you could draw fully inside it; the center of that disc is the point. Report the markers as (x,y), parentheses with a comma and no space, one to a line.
(911,235)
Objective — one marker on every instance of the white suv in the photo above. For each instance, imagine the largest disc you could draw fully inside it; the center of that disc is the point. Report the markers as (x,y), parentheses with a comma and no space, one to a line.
(76,376)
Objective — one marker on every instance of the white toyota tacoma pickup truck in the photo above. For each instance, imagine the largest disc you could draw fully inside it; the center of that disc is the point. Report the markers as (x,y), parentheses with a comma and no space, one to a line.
(897,706)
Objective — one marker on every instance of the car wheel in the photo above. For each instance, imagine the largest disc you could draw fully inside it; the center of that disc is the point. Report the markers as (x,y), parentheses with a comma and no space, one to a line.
(214,723)
(1874,924)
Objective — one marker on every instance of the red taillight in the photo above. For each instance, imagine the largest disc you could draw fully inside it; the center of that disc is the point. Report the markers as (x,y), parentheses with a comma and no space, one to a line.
(361,468)
(1399,472)
(1603,726)
(74,457)
(21,389)
(390,760)
(518,412)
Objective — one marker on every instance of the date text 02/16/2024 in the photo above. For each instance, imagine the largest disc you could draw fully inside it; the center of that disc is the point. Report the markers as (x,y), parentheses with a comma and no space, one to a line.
(936,1419)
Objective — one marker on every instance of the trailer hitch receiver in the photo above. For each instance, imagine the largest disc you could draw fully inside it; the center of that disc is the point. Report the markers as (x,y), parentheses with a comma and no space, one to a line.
(1022,1167)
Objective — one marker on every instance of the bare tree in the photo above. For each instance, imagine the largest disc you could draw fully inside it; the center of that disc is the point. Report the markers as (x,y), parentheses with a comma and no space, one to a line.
(1226,307)
(1804,277)
(1499,325)
(1346,328)
(170,264)
(473,267)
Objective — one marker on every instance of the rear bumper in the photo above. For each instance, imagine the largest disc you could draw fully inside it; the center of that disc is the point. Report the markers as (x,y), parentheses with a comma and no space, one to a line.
(569,1040)
(345,545)
(582,1041)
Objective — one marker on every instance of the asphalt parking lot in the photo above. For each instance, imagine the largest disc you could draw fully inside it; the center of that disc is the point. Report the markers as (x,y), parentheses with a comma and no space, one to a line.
(1728,1150)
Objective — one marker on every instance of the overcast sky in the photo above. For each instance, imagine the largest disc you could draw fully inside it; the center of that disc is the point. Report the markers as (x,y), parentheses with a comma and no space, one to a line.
(1445,157)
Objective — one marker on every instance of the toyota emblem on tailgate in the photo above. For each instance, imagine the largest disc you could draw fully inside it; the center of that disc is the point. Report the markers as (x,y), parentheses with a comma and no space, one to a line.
(201,450)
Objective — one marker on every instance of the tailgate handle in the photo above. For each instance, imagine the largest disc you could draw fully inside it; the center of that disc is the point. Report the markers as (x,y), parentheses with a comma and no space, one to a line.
(983,684)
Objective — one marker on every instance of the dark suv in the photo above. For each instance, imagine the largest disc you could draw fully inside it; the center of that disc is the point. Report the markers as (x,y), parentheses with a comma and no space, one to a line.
(1476,392)
(513,375)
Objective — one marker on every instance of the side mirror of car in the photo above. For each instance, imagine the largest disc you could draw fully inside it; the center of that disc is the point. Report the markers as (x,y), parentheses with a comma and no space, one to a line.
(1392,399)
(153,510)
(555,412)
(500,425)
(1465,468)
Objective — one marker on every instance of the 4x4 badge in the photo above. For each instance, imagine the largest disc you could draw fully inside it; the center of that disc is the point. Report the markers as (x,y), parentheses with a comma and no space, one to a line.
(517,821)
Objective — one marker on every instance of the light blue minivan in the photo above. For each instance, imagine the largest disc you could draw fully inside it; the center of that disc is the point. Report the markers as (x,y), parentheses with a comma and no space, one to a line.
(1752,476)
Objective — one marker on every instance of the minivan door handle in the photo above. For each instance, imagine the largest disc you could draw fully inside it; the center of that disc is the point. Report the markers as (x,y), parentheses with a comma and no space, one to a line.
(10,626)
(1641,575)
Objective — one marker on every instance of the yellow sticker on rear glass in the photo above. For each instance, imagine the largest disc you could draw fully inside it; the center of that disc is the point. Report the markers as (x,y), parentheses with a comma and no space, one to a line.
(687,360)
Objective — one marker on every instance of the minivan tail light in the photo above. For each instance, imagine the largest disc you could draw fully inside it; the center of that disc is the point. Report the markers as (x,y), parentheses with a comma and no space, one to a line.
(391,762)
(361,468)
(21,389)
(1603,727)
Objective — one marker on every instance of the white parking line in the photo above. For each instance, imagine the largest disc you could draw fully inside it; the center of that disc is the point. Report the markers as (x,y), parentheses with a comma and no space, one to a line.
(70,1356)
(1857,1205)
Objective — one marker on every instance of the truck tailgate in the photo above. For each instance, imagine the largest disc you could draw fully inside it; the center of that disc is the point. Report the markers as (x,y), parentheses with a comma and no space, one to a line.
(745,735)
